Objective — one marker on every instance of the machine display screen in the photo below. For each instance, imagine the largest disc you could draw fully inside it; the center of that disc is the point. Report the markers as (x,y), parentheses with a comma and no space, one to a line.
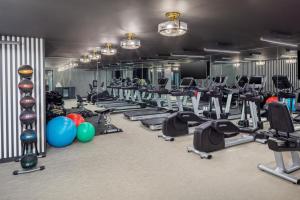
(255,80)
(162,81)
(186,82)
(117,74)
(197,70)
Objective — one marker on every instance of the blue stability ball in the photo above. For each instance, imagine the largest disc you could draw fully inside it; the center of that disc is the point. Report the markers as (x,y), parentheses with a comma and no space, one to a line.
(61,132)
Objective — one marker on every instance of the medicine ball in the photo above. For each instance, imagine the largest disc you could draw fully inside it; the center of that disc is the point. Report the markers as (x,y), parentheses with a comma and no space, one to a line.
(25,71)
(28,136)
(27,117)
(29,161)
(26,86)
(27,102)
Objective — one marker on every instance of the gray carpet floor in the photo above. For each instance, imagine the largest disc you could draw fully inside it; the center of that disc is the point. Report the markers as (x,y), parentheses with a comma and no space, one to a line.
(137,165)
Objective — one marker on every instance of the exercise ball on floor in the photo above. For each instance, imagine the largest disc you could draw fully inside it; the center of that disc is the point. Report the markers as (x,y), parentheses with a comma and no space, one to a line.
(61,132)
(85,132)
(76,118)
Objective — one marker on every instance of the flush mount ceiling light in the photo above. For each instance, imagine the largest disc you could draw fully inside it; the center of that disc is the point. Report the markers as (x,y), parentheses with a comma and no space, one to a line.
(130,42)
(221,51)
(85,59)
(94,55)
(173,27)
(108,50)
(278,42)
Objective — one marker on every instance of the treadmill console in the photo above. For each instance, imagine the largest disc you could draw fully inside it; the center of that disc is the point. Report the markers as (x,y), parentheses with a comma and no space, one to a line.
(281,82)
(242,81)
(220,80)
(163,82)
(187,83)
(257,82)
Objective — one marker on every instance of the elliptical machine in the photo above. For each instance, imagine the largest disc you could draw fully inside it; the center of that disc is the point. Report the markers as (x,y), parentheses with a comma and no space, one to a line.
(216,135)
(92,90)
(177,124)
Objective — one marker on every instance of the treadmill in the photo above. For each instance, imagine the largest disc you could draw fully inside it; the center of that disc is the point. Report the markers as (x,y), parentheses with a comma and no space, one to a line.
(156,123)
(151,113)
(117,93)
(122,106)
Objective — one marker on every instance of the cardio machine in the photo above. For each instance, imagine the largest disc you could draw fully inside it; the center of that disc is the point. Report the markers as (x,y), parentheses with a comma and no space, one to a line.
(284,91)
(151,113)
(92,91)
(184,88)
(101,95)
(252,97)
(177,124)
(284,138)
(125,101)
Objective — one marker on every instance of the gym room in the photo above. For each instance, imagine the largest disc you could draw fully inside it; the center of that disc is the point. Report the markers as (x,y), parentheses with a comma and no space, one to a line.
(149,100)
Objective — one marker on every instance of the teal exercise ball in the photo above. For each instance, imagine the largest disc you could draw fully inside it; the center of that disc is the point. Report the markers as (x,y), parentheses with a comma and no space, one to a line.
(85,132)
(61,132)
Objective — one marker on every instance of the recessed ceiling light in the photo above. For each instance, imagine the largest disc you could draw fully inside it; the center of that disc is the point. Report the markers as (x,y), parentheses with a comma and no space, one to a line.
(221,51)
(186,55)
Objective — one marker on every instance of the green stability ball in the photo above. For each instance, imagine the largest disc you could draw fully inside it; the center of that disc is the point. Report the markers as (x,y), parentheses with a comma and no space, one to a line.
(85,132)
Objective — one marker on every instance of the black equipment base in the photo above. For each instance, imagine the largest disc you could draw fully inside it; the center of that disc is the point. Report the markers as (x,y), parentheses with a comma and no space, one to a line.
(102,129)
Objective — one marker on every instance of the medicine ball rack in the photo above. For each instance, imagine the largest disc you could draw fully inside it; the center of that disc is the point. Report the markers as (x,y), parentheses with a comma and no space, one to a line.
(28,137)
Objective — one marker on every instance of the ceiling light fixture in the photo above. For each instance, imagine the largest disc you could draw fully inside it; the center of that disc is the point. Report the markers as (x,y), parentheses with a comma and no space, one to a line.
(291,61)
(278,42)
(85,59)
(130,42)
(260,63)
(186,56)
(94,55)
(251,59)
(288,56)
(222,62)
(108,50)
(68,66)
(221,51)
(10,42)
(226,58)
(173,27)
